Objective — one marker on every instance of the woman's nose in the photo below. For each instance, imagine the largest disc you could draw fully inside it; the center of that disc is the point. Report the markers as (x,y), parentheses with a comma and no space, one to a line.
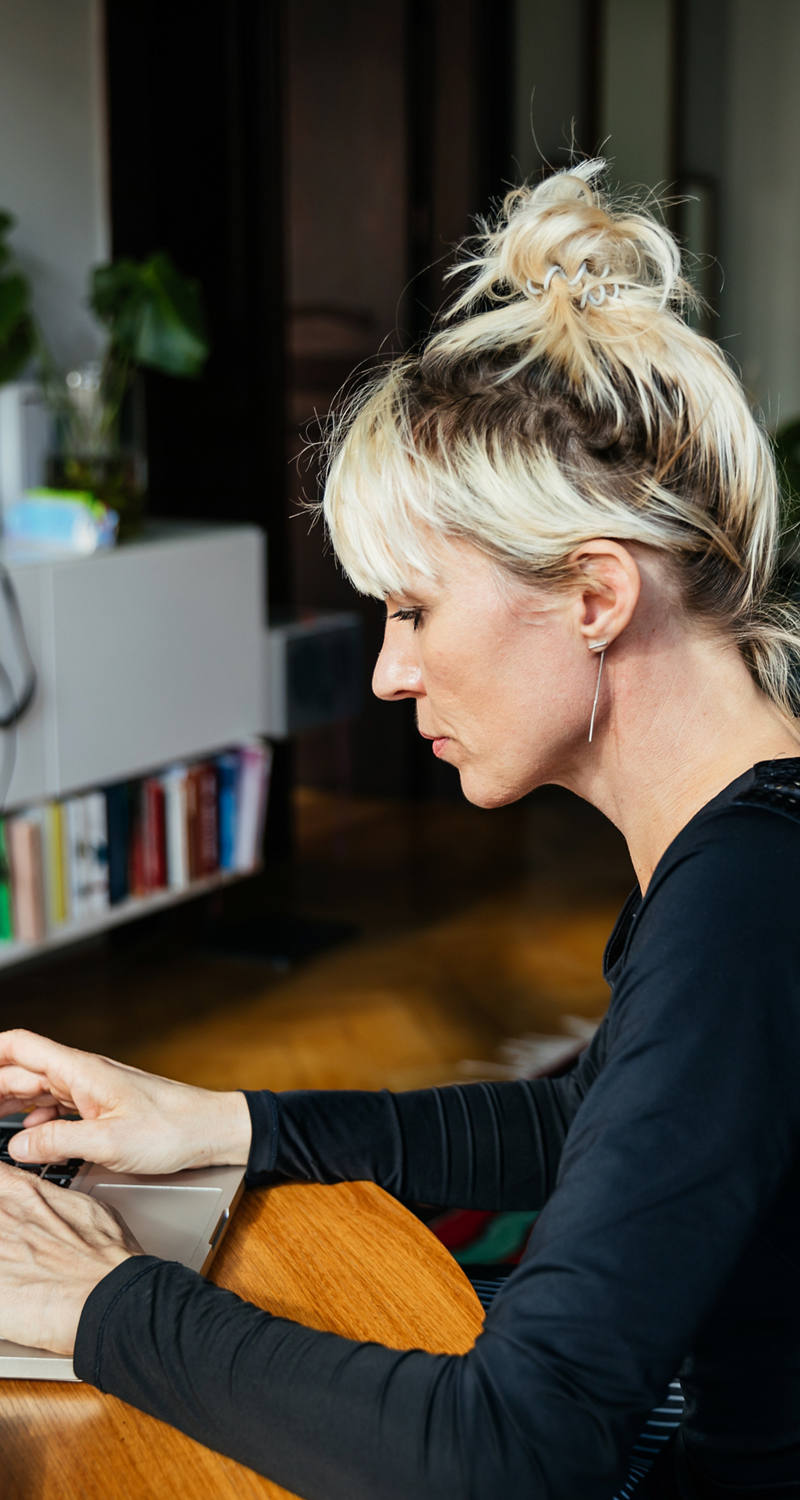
(397,671)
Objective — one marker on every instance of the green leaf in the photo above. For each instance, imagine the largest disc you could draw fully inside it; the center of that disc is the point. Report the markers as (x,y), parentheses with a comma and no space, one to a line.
(153,313)
(17,333)
(112,288)
(16,349)
(7,222)
(13,304)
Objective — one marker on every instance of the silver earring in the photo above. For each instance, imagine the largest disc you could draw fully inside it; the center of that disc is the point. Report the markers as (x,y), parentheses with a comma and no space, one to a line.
(597,646)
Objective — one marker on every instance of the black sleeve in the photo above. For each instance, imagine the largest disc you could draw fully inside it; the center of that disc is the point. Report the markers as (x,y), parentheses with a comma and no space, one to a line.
(477,1145)
(681,1146)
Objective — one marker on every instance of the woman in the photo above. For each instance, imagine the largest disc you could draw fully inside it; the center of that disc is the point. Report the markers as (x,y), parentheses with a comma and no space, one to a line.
(572,517)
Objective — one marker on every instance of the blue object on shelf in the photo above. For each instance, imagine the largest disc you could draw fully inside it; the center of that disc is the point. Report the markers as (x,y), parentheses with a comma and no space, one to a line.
(62,520)
(227,783)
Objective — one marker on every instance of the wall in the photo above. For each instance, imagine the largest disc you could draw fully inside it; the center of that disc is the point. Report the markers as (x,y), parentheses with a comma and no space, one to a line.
(346,238)
(635,90)
(760,305)
(737,134)
(547,82)
(52,159)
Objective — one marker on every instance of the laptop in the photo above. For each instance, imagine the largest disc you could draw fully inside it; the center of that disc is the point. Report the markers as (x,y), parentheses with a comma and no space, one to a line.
(182,1216)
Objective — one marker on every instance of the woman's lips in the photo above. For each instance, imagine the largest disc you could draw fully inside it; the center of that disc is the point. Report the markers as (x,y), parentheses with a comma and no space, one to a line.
(438,741)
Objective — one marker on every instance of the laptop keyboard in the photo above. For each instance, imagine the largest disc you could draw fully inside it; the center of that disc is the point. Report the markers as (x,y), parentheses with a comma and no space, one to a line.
(60,1172)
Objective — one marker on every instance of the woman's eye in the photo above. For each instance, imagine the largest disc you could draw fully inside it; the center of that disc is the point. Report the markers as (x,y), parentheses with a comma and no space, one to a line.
(414,615)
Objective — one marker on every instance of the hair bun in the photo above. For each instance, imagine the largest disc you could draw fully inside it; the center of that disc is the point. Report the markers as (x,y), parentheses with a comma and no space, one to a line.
(562,243)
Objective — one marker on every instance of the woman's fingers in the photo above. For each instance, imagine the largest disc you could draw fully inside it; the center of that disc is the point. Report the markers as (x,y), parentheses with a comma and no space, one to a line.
(21,1083)
(55,1246)
(45,1074)
(37,1071)
(42,1112)
(12,1106)
(130,1121)
(47,1080)
(35,1053)
(59,1140)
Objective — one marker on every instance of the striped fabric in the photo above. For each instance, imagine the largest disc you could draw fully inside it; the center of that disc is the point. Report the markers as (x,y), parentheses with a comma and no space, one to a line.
(659,1427)
(657,1431)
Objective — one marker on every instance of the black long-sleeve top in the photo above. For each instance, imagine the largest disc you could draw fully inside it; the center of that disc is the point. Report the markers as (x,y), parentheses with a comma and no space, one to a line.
(668,1168)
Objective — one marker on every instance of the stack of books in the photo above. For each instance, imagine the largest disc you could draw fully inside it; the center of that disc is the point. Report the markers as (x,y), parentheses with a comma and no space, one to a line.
(66,862)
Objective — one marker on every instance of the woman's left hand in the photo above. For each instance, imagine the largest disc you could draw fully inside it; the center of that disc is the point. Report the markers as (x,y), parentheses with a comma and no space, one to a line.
(55,1246)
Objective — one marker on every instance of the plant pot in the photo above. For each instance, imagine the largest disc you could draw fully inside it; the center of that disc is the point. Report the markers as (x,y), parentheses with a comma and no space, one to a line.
(113,478)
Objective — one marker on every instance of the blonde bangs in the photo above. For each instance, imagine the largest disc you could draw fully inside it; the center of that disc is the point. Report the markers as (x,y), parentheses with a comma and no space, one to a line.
(377,501)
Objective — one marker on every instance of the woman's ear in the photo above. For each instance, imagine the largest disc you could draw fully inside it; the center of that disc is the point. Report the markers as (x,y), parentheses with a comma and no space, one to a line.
(607,588)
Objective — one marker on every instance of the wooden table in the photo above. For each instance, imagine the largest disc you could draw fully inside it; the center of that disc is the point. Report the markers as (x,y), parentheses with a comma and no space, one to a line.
(348,1259)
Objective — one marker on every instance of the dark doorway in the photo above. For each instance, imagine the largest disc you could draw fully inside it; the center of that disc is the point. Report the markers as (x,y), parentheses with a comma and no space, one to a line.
(312,165)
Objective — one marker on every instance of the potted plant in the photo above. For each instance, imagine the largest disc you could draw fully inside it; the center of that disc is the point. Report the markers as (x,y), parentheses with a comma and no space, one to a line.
(153,319)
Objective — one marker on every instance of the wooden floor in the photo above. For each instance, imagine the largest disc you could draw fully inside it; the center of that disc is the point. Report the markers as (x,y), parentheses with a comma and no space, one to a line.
(441,932)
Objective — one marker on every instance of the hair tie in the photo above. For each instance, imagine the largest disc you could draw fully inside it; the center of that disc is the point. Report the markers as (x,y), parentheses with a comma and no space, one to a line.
(595,294)
(559,271)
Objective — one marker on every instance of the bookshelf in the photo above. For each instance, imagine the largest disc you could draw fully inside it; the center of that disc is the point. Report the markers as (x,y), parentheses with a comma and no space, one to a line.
(147,655)
(15,951)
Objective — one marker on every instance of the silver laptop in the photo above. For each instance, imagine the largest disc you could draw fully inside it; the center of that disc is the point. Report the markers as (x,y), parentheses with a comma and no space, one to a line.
(182,1217)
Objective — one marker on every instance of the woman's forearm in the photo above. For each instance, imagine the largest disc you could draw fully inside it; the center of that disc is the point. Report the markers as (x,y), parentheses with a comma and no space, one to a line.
(482,1145)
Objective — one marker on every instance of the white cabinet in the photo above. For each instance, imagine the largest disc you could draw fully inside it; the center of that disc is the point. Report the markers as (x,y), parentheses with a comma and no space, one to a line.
(145,654)
(150,653)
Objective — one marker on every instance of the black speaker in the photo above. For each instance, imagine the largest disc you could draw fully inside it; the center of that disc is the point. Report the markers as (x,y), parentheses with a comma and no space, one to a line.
(315,672)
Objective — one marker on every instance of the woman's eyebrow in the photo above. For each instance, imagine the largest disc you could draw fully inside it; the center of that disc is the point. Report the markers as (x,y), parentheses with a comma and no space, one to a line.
(402,600)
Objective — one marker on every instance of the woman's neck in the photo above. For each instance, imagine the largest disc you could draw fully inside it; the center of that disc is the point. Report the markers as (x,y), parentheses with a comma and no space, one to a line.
(681,723)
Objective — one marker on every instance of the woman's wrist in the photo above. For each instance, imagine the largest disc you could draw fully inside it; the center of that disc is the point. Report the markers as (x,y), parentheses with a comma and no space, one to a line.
(232,1130)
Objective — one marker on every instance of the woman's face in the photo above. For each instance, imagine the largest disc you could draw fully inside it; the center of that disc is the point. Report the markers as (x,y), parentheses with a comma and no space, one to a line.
(498,672)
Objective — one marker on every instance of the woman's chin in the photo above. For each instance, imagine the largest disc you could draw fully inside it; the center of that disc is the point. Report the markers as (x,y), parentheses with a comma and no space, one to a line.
(485,794)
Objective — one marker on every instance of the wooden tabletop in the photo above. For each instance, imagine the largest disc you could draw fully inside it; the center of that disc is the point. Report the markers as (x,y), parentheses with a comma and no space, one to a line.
(348,1259)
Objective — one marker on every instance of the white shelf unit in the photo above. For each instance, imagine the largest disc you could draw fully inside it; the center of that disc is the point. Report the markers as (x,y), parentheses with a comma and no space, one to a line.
(130,910)
(147,654)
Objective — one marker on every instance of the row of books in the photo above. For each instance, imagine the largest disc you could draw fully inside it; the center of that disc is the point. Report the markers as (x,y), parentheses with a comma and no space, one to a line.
(68,861)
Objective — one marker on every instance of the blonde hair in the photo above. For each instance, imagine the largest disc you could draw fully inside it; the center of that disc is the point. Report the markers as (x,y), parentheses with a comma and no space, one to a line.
(565,398)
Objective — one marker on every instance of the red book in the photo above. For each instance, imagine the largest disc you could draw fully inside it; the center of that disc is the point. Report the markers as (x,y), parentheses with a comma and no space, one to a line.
(155,835)
(207,820)
(137,875)
(193,776)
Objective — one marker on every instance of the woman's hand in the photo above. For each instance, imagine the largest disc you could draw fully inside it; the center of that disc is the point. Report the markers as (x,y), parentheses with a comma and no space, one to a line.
(55,1246)
(130,1121)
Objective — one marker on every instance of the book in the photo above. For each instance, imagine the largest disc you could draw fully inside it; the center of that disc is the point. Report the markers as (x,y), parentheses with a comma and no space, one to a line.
(24,841)
(207,820)
(154,834)
(77,839)
(227,766)
(174,783)
(136,861)
(6,911)
(193,779)
(118,824)
(52,867)
(56,866)
(255,762)
(96,853)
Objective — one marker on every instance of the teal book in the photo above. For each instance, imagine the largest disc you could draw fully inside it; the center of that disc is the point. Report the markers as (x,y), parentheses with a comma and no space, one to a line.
(227,793)
(6,917)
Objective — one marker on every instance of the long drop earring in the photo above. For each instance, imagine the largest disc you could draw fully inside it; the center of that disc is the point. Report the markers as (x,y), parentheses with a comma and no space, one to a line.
(601,647)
